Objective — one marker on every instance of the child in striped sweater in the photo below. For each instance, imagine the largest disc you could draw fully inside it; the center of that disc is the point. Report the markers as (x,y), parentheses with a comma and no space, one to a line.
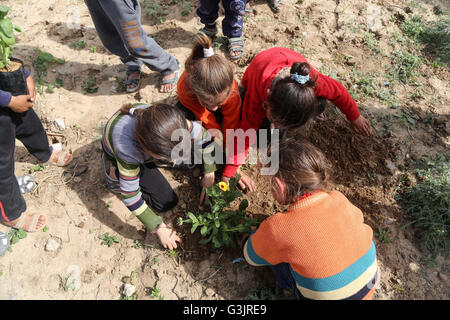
(320,247)
(135,138)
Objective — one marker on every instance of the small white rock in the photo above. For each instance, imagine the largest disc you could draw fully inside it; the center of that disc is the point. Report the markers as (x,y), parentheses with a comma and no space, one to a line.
(57,146)
(60,124)
(128,289)
(52,245)
(414,267)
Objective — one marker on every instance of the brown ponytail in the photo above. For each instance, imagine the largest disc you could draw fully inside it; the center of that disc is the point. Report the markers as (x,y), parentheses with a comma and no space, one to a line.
(293,104)
(207,76)
(302,168)
(154,127)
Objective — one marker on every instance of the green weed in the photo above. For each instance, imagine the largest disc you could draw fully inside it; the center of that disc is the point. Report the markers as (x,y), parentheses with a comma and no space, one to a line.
(404,66)
(427,203)
(16,234)
(109,240)
(156,293)
(78,45)
(90,86)
(36,168)
(155,11)
(383,234)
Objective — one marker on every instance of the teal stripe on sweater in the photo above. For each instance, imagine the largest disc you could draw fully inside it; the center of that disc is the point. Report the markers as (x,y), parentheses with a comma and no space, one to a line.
(340,279)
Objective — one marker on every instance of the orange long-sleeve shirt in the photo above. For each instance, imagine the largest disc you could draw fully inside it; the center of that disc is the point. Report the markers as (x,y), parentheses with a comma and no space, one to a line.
(231,109)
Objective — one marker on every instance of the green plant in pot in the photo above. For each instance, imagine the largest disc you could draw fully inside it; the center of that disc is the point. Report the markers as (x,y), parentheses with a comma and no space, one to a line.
(12,75)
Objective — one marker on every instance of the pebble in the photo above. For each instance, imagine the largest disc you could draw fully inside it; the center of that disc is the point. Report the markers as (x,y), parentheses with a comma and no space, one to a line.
(209,292)
(52,245)
(60,124)
(128,289)
(414,267)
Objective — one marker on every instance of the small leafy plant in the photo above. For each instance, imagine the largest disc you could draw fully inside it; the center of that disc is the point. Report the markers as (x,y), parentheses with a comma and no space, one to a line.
(17,234)
(36,168)
(7,39)
(221,226)
(109,240)
(78,45)
(90,86)
(382,234)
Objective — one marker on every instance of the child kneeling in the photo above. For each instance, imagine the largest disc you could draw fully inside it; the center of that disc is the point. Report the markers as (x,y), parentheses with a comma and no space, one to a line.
(320,247)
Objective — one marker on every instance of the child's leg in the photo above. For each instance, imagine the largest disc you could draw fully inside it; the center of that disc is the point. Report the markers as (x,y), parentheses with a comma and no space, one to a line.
(234,18)
(29,130)
(208,11)
(284,278)
(126,17)
(12,204)
(109,35)
(156,191)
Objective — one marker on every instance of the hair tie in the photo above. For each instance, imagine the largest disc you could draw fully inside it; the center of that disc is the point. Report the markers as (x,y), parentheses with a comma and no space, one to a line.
(132,111)
(208,52)
(299,78)
(139,106)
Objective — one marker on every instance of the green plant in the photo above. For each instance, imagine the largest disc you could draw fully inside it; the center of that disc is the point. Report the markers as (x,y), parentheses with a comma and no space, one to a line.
(36,168)
(16,234)
(109,240)
(7,39)
(78,45)
(93,49)
(153,262)
(427,203)
(120,84)
(413,27)
(45,229)
(372,43)
(221,226)
(1,273)
(382,234)
(137,244)
(43,61)
(68,282)
(156,293)
(90,86)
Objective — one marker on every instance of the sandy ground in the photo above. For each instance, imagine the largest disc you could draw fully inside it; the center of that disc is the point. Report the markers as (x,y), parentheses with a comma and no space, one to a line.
(330,34)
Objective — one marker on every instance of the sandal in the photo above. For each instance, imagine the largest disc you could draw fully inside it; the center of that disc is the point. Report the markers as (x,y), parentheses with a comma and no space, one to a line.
(248,10)
(209,32)
(26,183)
(172,80)
(135,82)
(236,44)
(61,160)
(275,5)
(24,220)
(4,243)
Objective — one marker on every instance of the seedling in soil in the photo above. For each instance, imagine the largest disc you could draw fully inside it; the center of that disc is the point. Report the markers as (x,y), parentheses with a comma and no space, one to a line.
(68,283)
(222,226)
(109,240)
(93,49)
(78,45)
(120,85)
(404,66)
(43,61)
(90,86)
(45,229)
(1,273)
(36,168)
(16,234)
(155,11)
(153,262)
(382,235)
(156,293)
(137,244)
(172,254)
(59,83)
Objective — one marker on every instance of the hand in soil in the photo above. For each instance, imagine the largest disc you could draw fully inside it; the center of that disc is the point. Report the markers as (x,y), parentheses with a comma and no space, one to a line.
(168,237)
(31,88)
(207,182)
(21,103)
(362,126)
(246,183)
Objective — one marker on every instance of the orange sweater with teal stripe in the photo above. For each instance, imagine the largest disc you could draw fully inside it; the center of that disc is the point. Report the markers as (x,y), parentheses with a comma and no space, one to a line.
(326,243)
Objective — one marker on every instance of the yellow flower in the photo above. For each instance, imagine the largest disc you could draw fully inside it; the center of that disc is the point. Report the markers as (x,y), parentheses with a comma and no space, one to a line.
(223,186)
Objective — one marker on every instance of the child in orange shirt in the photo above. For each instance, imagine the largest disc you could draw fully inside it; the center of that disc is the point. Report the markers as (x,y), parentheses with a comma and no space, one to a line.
(320,247)
(207,90)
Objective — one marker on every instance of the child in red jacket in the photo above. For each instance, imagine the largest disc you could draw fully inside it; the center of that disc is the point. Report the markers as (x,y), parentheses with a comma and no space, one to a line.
(281,86)
(320,247)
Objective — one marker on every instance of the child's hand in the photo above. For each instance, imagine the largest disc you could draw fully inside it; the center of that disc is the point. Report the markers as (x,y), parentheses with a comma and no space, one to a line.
(207,182)
(362,126)
(31,88)
(245,182)
(167,236)
(20,103)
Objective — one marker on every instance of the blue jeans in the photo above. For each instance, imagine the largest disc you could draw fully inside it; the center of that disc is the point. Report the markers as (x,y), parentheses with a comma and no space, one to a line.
(232,24)
(285,280)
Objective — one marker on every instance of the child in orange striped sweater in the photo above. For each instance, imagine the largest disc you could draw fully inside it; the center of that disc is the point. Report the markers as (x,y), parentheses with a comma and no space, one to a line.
(320,247)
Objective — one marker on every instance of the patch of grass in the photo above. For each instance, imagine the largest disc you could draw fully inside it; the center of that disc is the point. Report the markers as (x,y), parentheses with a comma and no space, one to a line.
(78,45)
(437,36)
(404,66)
(427,203)
(372,43)
(187,8)
(155,11)
(369,85)
(36,168)
(109,240)
(413,27)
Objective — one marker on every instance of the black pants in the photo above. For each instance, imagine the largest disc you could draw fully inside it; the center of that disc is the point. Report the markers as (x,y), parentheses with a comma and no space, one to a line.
(156,190)
(26,127)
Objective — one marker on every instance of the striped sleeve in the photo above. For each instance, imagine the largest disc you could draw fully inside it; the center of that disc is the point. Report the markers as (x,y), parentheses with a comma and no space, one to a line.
(132,195)
(204,142)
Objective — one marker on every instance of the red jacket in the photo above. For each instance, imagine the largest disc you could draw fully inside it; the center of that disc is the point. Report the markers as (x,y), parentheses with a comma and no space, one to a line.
(257,80)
